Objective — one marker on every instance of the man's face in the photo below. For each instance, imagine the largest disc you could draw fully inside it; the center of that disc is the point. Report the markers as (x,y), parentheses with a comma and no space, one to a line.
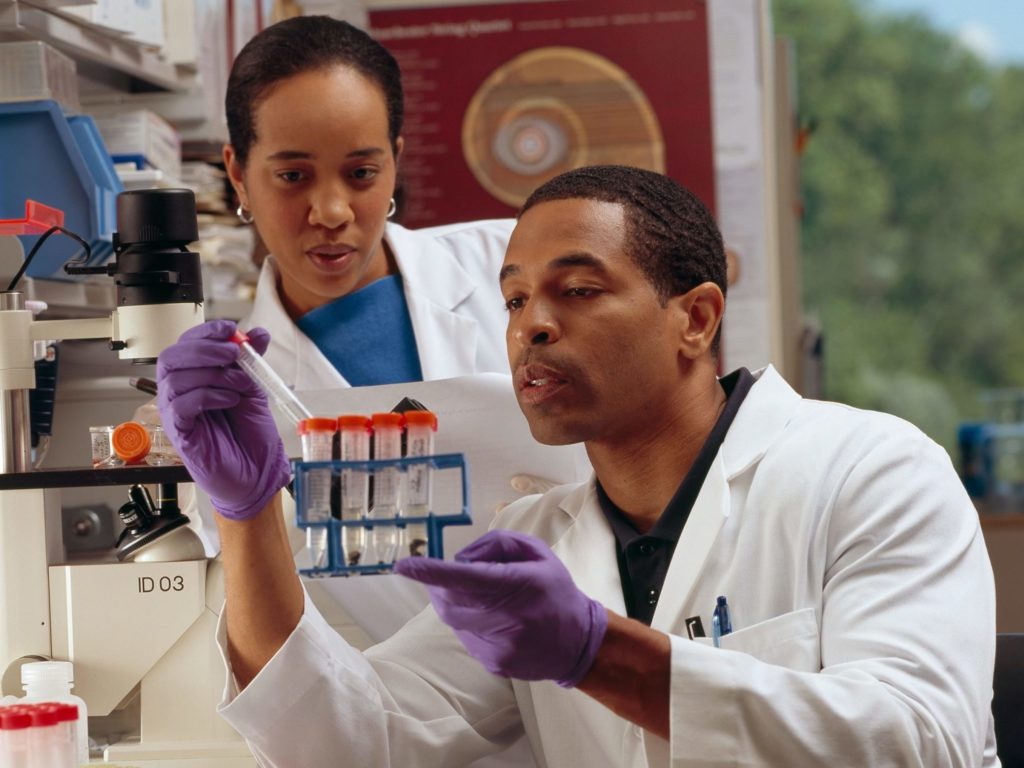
(594,355)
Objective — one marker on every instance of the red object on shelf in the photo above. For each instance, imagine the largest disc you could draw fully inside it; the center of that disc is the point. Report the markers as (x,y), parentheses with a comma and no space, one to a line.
(38,219)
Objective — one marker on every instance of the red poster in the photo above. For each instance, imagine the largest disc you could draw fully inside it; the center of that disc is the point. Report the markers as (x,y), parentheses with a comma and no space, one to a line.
(500,98)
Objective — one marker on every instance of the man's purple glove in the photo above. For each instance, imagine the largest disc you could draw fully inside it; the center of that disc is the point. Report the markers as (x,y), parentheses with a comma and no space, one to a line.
(515,607)
(219,420)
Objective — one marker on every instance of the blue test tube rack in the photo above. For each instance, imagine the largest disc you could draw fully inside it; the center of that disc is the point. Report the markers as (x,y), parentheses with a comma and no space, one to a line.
(435,523)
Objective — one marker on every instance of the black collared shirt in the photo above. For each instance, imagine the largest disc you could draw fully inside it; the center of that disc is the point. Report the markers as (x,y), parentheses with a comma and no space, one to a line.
(644,558)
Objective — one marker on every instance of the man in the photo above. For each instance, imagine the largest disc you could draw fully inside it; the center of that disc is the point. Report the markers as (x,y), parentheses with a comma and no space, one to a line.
(861,598)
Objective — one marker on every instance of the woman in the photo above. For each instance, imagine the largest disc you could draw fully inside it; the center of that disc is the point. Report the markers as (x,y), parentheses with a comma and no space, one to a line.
(314,110)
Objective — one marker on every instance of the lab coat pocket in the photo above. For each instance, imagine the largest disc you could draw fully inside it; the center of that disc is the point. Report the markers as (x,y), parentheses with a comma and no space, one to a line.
(790,640)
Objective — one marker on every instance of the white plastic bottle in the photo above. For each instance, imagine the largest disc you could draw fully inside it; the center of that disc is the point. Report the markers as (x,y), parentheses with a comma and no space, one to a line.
(53,681)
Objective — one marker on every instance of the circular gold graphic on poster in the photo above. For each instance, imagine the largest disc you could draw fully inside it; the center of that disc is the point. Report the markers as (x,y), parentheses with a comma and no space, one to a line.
(553,109)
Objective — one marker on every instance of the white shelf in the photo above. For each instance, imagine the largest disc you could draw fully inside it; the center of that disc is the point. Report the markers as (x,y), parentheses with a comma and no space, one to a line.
(76,298)
(60,3)
(19,21)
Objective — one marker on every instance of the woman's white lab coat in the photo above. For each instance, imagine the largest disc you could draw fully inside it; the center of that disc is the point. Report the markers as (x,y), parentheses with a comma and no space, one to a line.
(450,279)
(862,607)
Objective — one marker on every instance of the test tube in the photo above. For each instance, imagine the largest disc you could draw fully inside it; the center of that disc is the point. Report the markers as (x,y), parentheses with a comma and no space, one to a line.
(420,427)
(387,444)
(15,727)
(317,436)
(44,740)
(355,485)
(261,372)
(66,746)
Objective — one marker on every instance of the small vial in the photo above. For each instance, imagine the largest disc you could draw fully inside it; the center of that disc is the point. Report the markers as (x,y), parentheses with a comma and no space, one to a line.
(44,742)
(354,433)
(161,452)
(420,427)
(317,437)
(15,726)
(66,741)
(387,444)
(276,390)
(102,439)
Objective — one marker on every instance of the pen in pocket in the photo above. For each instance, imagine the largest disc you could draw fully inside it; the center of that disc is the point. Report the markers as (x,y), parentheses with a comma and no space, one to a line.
(721,623)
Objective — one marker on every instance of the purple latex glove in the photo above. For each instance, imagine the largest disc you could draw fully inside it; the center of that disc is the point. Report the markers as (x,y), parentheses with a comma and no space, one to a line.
(515,607)
(219,420)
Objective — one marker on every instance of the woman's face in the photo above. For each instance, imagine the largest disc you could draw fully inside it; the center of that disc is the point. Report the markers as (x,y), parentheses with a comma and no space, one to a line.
(319,181)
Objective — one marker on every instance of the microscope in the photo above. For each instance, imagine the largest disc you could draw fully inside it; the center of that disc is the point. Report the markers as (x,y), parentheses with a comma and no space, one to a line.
(139,631)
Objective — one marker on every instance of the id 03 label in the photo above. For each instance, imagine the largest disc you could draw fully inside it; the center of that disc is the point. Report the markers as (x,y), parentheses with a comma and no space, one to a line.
(148,584)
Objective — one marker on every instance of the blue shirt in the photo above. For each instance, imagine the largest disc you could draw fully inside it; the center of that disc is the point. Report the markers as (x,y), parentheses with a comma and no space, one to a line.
(367,335)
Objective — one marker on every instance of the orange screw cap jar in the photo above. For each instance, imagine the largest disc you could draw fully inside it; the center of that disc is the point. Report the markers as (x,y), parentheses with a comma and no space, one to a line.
(131,442)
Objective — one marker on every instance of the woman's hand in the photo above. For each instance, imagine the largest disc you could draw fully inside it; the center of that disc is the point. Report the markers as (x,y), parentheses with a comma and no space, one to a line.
(219,420)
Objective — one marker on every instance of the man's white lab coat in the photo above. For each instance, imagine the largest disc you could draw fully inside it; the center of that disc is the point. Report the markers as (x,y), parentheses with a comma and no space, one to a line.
(862,608)
(450,281)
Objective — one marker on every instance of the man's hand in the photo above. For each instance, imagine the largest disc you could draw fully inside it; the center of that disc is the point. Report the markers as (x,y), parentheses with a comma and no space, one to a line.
(219,421)
(515,607)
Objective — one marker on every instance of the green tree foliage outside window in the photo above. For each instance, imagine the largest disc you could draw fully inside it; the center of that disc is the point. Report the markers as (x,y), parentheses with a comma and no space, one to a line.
(913,230)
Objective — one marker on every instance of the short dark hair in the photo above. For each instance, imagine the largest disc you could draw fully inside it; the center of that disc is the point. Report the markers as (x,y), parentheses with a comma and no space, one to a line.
(304,44)
(670,234)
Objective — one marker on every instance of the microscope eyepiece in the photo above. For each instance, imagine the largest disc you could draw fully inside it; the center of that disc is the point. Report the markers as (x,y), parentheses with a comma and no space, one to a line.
(164,218)
(153,264)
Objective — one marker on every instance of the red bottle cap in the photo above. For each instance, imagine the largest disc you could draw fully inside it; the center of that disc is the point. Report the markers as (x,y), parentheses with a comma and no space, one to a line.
(385,420)
(44,715)
(351,421)
(317,425)
(66,713)
(421,419)
(14,718)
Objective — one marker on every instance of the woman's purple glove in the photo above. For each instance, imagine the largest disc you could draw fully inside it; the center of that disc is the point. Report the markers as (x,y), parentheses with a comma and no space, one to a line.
(219,419)
(515,608)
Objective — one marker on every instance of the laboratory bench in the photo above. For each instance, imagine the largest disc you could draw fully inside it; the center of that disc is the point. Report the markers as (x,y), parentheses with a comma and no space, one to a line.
(77,477)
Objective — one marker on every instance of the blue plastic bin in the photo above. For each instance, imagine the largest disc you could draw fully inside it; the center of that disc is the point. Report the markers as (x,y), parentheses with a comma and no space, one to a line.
(63,163)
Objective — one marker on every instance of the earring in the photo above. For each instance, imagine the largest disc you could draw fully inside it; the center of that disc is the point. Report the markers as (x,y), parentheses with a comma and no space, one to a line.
(392,208)
(244,216)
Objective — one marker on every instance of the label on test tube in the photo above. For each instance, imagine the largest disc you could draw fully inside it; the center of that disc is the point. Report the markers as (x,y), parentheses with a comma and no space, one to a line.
(317,437)
(387,444)
(354,434)
(419,439)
